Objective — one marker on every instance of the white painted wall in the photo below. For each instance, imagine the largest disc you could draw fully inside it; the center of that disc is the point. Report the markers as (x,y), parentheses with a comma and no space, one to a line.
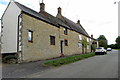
(10,27)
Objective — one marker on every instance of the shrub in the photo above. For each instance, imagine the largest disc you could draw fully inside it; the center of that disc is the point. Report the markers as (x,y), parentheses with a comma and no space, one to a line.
(11,59)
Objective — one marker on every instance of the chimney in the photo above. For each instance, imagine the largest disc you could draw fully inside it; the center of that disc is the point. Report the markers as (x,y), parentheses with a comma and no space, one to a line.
(42,6)
(59,10)
(78,22)
(91,36)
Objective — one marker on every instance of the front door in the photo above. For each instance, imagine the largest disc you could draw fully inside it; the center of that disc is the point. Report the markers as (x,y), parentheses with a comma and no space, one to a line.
(61,46)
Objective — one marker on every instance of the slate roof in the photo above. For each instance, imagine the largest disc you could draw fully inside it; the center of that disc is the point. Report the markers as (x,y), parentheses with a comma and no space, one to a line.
(34,14)
(76,27)
(53,20)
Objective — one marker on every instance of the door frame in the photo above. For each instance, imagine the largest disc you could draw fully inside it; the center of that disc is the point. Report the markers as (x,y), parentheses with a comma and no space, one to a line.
(61,47)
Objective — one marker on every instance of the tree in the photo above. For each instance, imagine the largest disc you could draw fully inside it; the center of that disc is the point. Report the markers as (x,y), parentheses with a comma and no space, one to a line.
(102,41)
(118,40)
(84,45)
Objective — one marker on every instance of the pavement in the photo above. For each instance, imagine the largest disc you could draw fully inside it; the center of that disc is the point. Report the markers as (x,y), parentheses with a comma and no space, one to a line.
(24,69)
(103,66)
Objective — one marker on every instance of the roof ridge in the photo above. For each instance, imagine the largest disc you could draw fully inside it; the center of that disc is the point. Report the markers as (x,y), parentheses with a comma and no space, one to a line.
(80,26)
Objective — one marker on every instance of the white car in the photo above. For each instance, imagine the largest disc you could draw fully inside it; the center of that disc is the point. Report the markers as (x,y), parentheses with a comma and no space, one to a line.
(109,49)
(100,50)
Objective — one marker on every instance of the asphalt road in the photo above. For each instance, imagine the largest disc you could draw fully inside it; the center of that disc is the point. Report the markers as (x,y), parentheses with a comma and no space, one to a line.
(101,66)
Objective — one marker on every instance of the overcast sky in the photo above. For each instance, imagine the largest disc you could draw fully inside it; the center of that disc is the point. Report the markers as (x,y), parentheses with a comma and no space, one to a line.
(98,17)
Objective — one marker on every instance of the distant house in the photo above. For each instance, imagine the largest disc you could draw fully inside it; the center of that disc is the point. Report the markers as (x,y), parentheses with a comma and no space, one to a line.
(33,36)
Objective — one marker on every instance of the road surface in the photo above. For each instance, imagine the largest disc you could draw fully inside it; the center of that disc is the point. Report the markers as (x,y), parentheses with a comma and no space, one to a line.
(101,66)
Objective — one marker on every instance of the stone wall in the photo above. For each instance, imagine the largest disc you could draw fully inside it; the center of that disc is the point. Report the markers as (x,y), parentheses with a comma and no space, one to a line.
(40,48)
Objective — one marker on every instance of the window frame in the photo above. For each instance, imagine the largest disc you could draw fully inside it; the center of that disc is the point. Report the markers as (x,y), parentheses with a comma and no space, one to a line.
(65,31)
(52,40)
(66,42)
(79,45)
(30,38)
(80,37)
(87,39)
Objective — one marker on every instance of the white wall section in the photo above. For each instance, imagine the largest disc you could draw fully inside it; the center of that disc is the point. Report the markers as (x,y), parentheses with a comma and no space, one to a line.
(10,28)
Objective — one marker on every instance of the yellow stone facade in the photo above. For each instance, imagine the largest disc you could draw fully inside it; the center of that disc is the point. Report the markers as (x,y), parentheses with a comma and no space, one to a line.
(40,48)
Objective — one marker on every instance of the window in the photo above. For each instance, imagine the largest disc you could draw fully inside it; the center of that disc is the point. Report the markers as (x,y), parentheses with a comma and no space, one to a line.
(79,45)
(90,39)
(87,39)
(65,31)
(66,42)
(52,40)
(30,36)
(80,37)
(87,46)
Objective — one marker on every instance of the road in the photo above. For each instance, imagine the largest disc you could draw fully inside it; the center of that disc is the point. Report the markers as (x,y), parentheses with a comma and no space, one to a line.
(101,66)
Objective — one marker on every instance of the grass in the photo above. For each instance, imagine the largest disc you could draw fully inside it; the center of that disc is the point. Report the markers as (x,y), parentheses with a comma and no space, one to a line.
(117,49)
(68,60)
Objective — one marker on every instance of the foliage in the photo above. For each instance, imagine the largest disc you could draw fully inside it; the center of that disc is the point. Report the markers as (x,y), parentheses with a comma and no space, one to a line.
(114,46)
(68,60)
(102,41)
(102,37)
(118,40)
(117,45)
(93,46)
(84,43)
(11,59)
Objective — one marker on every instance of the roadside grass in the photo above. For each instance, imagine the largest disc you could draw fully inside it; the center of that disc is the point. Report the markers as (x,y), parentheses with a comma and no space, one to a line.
(117,49)
(68,60)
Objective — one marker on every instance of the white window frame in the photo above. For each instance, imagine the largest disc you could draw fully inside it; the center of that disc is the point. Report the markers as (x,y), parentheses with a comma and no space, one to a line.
(80,37)
(79,45)
(87,39)
(88,46)
(30,36)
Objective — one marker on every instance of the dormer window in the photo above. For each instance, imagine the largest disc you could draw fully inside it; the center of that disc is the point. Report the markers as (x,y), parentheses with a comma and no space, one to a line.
(65,31)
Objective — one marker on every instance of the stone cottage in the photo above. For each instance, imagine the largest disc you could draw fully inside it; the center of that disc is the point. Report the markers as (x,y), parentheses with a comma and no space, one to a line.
(33,36)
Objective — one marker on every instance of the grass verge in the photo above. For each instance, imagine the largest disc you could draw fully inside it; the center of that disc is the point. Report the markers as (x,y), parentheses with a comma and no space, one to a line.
(68,60)
(117,49)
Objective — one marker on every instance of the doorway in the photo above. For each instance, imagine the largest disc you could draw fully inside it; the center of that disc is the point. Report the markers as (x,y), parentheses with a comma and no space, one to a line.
(61,46)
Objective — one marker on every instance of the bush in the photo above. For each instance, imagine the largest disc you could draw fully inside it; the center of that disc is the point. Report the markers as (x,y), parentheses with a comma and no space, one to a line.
(11,59)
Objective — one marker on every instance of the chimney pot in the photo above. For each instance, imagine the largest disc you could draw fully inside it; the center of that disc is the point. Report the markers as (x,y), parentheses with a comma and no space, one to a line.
(42,6)
(78,22)
(59,10)
(91,36)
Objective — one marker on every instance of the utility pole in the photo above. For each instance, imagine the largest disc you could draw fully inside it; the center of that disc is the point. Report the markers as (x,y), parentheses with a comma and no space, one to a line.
(118,4)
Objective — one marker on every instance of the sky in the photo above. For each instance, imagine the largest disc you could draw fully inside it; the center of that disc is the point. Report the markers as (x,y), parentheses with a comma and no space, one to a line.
(98,17)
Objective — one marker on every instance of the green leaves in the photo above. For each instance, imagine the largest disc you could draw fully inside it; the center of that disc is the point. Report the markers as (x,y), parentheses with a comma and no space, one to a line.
(84,43)
(102,41)
(118,40)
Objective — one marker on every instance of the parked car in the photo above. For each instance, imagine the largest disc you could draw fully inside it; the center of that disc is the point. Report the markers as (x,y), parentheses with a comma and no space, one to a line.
(100,50)
(109,49)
